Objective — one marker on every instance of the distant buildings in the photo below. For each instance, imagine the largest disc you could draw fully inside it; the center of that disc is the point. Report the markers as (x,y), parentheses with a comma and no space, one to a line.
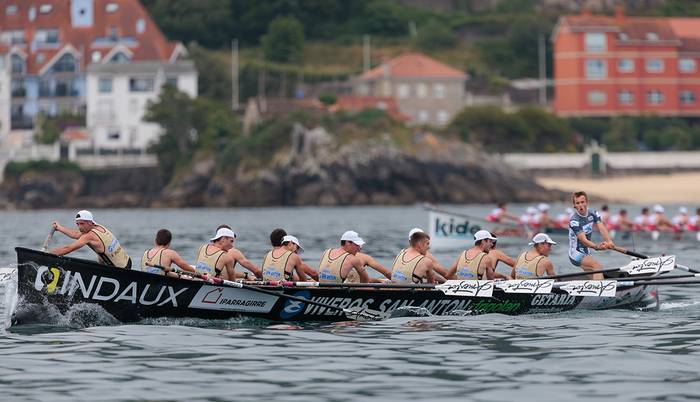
(103,59)
(615,65)
(427,91)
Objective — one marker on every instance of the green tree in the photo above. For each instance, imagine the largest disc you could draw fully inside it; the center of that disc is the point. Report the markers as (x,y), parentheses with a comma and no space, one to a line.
(51,127)
(284,40)
(174,111)
(207,22)
(492,128)
(214,74)
(548,132)
(435,35)
(622,135)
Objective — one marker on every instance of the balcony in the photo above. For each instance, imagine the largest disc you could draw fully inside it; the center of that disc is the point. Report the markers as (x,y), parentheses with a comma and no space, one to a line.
(22,123)
(20,92)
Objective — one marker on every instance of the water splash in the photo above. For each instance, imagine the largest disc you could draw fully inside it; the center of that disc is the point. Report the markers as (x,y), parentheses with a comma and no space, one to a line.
(8,296)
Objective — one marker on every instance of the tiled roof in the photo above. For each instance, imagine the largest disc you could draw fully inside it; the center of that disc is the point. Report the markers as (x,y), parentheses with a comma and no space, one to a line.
(685,27)
(358,103)
(413,65)
(637,28)
(147,43)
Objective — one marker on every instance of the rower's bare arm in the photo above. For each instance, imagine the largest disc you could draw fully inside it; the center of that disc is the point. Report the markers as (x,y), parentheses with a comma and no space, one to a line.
(298,267)
(433,275)
(72,233)
(179,261)
(360,268)
(310,271)
(582,238)
(437,267)
(63,250)
(372,263)
(246,263)
(453,270)
(549,267)
(489,267)
(499,255)
(604,232)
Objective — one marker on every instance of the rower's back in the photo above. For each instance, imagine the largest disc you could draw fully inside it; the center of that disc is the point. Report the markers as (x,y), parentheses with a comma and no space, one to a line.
(331,267)
(406,268)
(114,254)
(527,268)
(274,266)
(469,263)
(209,259)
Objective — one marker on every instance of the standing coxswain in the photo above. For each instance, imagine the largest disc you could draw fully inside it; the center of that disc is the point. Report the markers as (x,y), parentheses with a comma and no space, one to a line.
(412,265)
(535,263)
(580,231)
(97,237)
(341,264)
(161,255)
(476,262)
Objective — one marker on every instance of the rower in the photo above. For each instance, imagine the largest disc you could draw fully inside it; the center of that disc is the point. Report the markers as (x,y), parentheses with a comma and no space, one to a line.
(476,262)
(238,257)
(341,264)
(412,265)
(535,263)
(438,269)
(369,261)
(562,221)
(212,258)
(163,256)
(282,261)
(680,221)
(658,220)
(605,213)
(499,214)
(542,219)
(276,237)
(97,237)
(641,221)
(694,224)
(580,231)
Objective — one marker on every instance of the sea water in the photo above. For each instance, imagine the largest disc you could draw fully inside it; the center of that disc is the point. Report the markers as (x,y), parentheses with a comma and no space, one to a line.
(86,355)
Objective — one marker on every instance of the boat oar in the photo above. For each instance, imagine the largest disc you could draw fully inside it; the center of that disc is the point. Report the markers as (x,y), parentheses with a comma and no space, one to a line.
(353,313)
(637,267)
(667,281)
(48,239)
(639,255)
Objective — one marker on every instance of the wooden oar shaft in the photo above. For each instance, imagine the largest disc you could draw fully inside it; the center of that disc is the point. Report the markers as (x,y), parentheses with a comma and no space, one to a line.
(48,239)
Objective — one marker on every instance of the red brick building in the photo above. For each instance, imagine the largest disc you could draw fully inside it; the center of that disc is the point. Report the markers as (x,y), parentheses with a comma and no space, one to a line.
(621,65)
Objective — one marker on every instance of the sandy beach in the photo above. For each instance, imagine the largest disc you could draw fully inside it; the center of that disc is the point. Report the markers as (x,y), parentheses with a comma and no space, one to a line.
(671,188)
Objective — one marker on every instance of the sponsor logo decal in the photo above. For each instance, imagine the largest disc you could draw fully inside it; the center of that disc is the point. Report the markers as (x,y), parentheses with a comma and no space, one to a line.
(293,307)
(101,288)
(232,299)
(454,229)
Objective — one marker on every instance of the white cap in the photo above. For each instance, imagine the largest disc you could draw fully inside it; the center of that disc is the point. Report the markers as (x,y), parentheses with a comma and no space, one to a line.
(541,238)
(84,215)
(483,234)
(570,211)
(352,236)
(543,206)
(531,210)
(414,231)
(683,210)
(223,232)
(658,208)
(294,240)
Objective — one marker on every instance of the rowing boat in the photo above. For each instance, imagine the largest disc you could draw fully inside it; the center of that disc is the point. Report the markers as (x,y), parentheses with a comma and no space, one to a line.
(130,295)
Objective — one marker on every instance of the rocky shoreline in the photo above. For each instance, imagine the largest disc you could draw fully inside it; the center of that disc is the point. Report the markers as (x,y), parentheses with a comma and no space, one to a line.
(318,172)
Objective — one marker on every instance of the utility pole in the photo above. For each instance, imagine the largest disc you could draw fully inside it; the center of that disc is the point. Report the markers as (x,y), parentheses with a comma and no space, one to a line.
(366,61)
(543,71)
(234,75)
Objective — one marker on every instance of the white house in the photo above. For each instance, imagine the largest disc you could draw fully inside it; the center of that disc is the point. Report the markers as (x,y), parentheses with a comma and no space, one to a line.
(117,96)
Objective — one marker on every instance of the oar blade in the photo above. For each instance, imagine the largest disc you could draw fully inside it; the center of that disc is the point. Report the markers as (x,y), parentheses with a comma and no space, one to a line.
(651,265)
(530,286)
(365,314)
(604,288)
(467,288)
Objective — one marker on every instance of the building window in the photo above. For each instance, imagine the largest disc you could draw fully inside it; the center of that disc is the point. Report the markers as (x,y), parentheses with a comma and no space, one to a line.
(113,34)
(96,56)
(652,36)
(595,42)
(172,81)
(442,117)
(623,36)
(596,98)
(104,85)
(421,90)
(119,58)
(141,84)
(655,97)
(625,65)
(687,97)
(46,36)
(111,7)
(402,91)
(45,8)
(140,25)
(18,65)
(686,65)
(40,57)
(654,65)
(12,37)
(625,97)
(439,91)
(11,9)
(595,69)
(66,64)
(423,116)
(113,134)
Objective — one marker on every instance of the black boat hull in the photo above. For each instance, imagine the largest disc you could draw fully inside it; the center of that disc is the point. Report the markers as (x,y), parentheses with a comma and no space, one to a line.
(131,295)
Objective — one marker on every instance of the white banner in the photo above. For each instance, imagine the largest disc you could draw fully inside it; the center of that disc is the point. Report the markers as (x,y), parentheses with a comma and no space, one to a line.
(451,231)
(605,288)
(526,285)
(467,288)
(651,265)
(232,299)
